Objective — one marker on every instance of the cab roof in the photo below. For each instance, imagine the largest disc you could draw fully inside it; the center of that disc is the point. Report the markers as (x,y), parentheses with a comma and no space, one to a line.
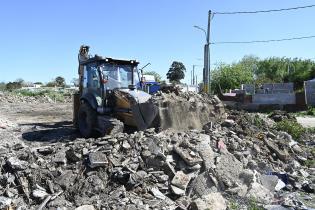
(101,59)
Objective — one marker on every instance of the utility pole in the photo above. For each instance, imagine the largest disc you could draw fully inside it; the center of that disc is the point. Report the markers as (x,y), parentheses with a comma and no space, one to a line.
(193,75)
(208,79)
(206,64)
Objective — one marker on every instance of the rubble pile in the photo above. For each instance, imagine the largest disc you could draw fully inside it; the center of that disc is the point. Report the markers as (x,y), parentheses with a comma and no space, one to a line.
(236,161)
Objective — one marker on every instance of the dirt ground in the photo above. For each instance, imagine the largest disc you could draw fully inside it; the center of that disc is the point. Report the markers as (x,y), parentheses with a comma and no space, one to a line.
(307,122)
(36,122)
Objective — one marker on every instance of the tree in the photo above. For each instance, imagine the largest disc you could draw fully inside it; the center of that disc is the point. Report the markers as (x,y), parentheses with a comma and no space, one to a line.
(156,75)
(13,85)
(232,76)
(2,86)
(176,72)
(60,81)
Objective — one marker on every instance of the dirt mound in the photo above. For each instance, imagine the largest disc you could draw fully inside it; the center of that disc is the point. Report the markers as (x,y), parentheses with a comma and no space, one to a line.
(185,111)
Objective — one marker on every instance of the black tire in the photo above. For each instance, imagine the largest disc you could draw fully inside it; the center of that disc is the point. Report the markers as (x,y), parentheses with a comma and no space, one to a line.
(87,118)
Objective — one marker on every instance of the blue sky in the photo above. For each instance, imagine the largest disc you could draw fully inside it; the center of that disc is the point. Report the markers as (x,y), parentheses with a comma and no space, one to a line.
(40,39)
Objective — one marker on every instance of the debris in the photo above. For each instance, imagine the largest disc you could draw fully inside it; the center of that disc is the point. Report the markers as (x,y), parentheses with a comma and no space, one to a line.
(159,169)
(181,180)
(85,207)
(17,164)
(97,159)
(5,202)
(157,193)
(209,201)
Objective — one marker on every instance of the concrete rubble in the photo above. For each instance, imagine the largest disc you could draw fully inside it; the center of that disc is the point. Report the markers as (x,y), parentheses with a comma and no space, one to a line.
(223,163)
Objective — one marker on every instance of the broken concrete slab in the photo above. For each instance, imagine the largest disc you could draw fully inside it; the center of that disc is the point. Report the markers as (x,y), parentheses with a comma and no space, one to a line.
(181,180)
(17,164)
(97,159)
(260,193)
(177,190)
(204,184)
(5,202)
(157,193)
(60,157)
(281,154)
(209,201)
(41,194)
(228,169)
(191,160)
(85,207)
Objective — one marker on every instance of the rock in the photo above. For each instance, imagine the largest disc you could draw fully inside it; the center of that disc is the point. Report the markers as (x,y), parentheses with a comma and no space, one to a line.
(259,193)
(269,181)
(281,154)
(177,191)
(204,184)
(85,207)
(39,194)
(157,193)
(97,159)
(280,185)
(46,150)
(187,157)
(205,151)
(5,202)
(275,207)
(309,188)
(60,157)
(73,156)
(228,169)
(17,164)
(66,179)
(209,201)
(181,180)
(228,123)
(126,145)
(296,148)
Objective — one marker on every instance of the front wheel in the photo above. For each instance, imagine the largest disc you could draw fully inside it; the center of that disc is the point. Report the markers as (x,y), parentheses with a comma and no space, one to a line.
(87,118)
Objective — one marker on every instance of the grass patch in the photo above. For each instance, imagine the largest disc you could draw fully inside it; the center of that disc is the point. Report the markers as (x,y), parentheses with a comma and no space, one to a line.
(53,95)
(253,205)
(309,112)
(291,127)
(257,121)
(310,163)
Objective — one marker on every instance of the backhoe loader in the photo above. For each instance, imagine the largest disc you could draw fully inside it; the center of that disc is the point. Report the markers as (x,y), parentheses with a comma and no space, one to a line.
(108,99)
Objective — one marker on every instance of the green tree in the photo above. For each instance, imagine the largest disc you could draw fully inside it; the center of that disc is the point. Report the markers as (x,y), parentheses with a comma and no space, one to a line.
(176,72)
(60,81)
(156,75)
(2,86)
(231,76)
(13,85)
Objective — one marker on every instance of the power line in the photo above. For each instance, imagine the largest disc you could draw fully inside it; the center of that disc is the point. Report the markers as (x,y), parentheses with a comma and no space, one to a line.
(264,11)
(263,41)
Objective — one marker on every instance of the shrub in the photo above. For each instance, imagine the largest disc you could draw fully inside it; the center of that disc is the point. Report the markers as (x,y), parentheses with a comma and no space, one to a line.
(291,127)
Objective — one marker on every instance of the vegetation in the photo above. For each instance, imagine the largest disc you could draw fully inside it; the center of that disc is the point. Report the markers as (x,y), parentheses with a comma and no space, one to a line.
(176,72)
(251,69)
(60,81)
(291,127)
(13,86)
(52,94)
(2,86)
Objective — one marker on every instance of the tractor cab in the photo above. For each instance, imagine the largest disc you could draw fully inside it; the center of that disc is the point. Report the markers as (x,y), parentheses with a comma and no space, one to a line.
(103,74)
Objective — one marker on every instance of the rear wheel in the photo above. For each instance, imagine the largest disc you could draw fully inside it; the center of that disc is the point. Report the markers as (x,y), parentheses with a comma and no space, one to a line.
(87,118)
